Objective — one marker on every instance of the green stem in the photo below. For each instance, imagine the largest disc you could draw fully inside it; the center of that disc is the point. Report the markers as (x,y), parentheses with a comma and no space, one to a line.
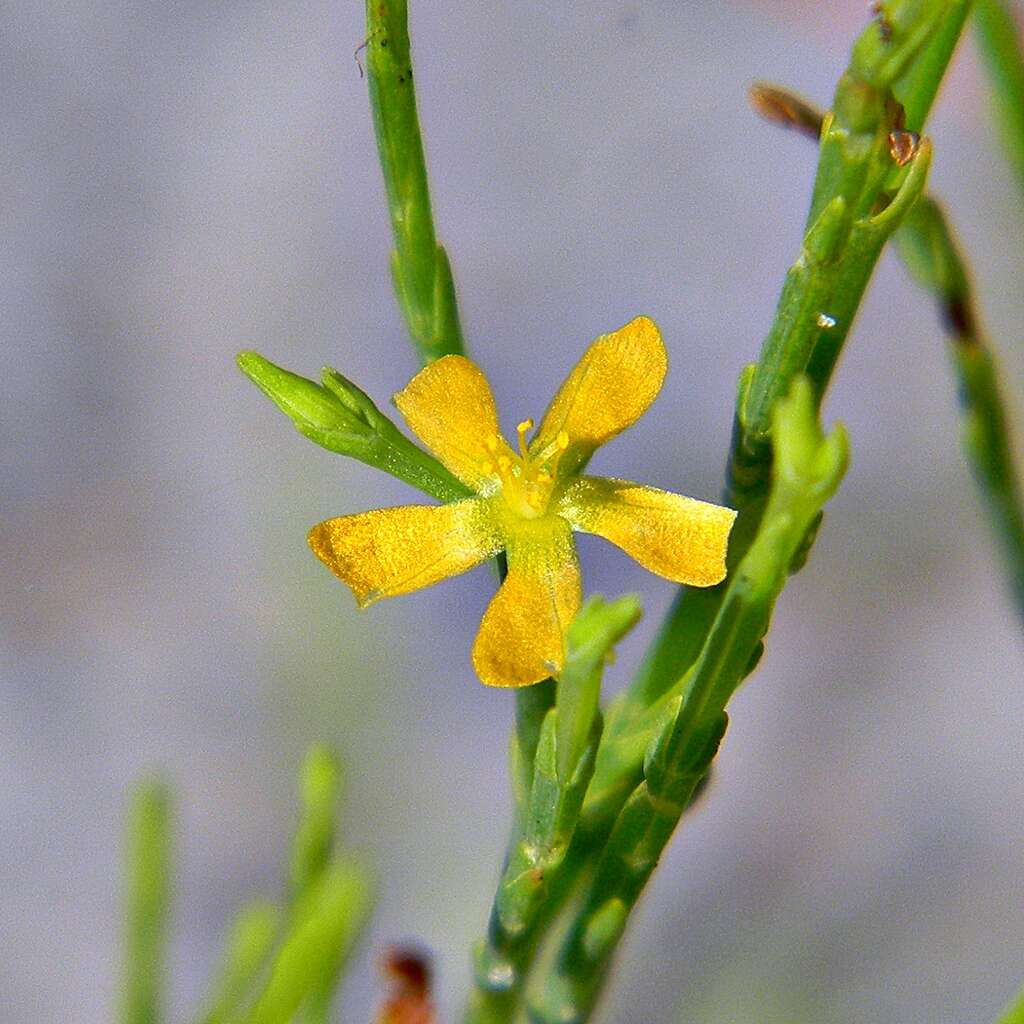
(531,888)
(323,927)
(929,250)
(917,90)
(808,471)
(860,198)
(999,41)
(931,254)
(149,870)
(421,273)
(822,292)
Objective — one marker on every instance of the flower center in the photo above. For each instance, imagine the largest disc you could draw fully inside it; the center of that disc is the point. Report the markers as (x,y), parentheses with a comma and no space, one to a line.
(526,479)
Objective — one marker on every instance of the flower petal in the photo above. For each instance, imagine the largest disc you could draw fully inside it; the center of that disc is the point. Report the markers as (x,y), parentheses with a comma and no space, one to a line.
(610,388)
(680,538)
(394,551)
(450,408)
(522,635)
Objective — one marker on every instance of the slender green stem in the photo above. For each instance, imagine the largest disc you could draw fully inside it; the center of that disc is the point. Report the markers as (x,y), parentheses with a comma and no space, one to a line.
(531,887)
(420,269)
(917,90)
(149,870)
(809,468)
(860,198)
(313,845)
(930,252)
(999,40)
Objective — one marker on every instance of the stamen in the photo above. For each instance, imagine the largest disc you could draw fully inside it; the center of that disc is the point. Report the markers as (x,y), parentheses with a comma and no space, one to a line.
(522,429)
(491,444)
(562,441)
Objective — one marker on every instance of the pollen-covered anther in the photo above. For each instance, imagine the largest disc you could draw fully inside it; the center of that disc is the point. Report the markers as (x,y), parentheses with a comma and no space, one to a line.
(522,429)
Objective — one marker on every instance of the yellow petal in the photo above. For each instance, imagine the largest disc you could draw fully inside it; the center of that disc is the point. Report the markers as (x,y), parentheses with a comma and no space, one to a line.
(393,551)
(522,635)
(450,408)
(680,538)
(610,388)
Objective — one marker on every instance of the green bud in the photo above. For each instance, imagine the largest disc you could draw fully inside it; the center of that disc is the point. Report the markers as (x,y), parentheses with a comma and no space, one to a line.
(342,418)
(317,413)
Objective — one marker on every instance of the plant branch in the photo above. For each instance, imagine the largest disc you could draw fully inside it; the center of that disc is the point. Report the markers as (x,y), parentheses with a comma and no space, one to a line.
(854,210)
(420,270)
(808,470)
(531,887)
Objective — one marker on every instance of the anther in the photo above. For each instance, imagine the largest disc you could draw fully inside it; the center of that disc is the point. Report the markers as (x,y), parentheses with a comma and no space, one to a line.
(562,440)
(522,429)
(491,444)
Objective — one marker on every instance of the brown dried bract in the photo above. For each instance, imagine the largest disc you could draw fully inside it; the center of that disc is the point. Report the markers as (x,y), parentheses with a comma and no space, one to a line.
(408,975)
(783,107)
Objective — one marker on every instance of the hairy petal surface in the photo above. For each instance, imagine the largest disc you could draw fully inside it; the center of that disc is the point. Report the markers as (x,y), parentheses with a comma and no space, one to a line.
(609,389)
(394,551)
(449,407)
(522,635)
(682,539)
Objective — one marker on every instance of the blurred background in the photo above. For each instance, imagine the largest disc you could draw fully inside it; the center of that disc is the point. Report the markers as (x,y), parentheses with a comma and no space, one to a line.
(184,180)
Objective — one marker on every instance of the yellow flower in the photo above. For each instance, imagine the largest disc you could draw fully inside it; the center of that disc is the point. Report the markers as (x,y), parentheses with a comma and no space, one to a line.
(527,502)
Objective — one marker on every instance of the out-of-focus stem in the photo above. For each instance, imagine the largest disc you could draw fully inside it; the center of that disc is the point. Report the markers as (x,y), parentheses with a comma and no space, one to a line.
(999,41)
(149,868)
(930,252)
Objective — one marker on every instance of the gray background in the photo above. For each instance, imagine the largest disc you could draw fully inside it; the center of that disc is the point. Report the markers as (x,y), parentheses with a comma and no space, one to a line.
(186,179)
